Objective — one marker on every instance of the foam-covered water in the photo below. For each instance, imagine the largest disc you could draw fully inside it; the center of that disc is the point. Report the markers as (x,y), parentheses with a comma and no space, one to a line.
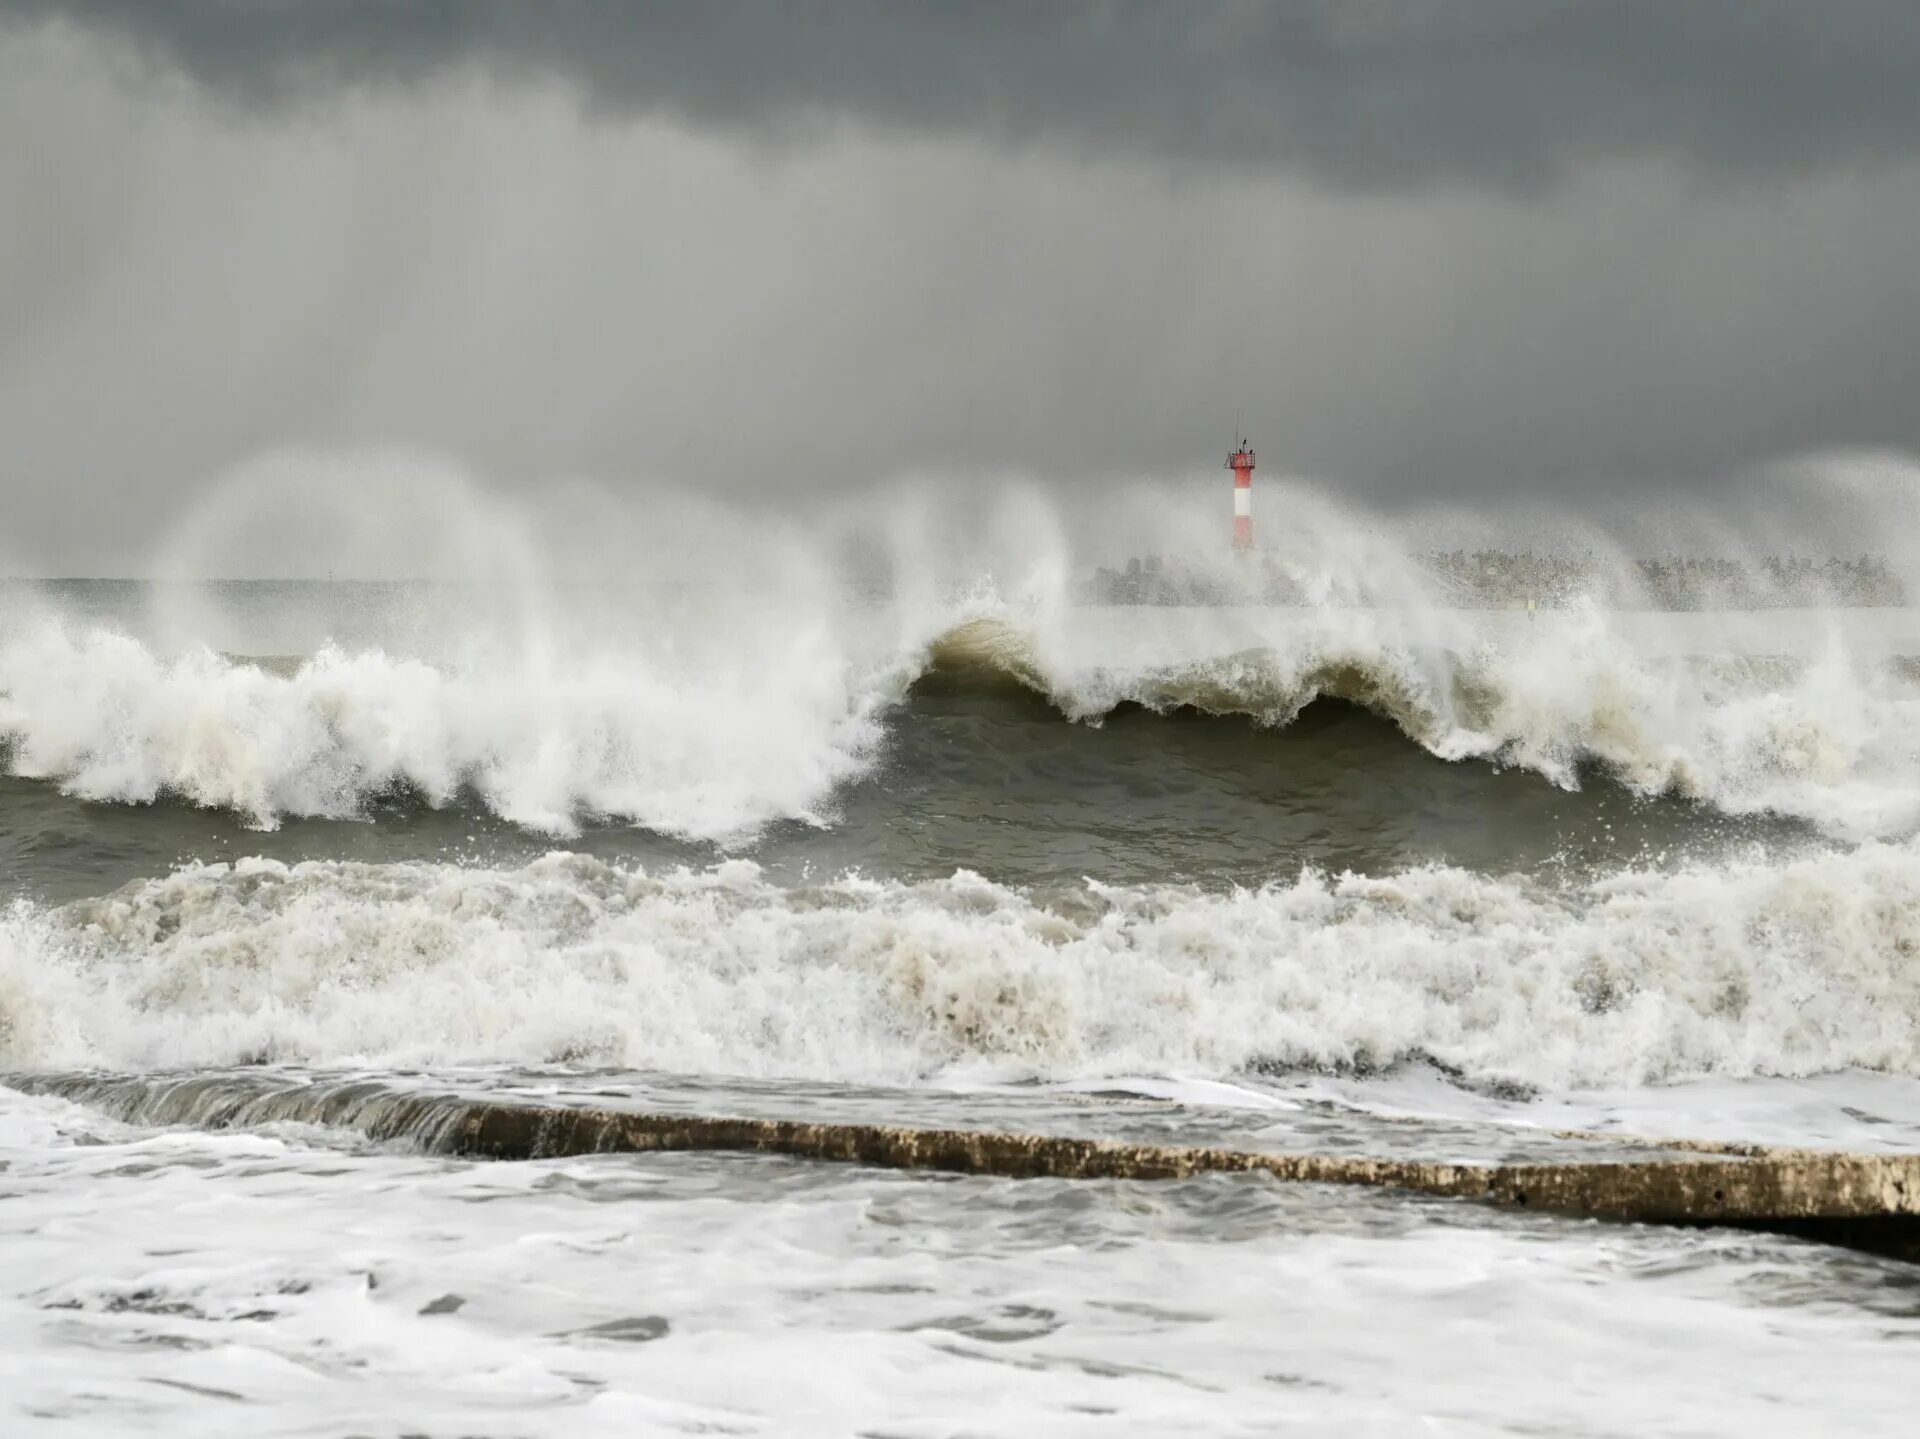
(1351,873)
(1744,967)
(716,732)
(991,833)
(686,752)
(297,1282)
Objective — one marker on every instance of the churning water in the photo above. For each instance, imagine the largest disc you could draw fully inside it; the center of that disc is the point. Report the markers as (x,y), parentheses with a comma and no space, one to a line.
(1380,872)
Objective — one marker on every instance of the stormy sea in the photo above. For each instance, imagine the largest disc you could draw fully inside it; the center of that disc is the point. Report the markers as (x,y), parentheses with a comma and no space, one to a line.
(1371,868)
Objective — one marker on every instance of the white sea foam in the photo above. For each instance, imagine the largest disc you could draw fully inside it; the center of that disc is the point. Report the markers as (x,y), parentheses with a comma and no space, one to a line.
(661,658)
(181,1283)
(696,749)
(712,727)
(1788,966)
(1804,714)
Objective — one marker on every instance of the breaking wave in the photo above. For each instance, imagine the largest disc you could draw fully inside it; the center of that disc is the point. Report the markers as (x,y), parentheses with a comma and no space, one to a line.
(696,738)
(710,752)
(1748,724)
(1748,967)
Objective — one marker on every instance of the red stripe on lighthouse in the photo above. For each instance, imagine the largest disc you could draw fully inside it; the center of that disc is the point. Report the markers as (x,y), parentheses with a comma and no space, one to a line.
(1241,463)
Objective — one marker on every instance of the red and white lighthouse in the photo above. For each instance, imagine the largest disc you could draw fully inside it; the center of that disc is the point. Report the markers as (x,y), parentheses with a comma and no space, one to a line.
(1241,463)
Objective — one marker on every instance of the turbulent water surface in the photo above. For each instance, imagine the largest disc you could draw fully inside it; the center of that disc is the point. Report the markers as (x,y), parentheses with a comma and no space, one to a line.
(1411,877)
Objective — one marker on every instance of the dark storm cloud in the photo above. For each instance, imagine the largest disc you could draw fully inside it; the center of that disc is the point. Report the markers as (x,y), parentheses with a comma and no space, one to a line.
(1360,93)
(1490,255)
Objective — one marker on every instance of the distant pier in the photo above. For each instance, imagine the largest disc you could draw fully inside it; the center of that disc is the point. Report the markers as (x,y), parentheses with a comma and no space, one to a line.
(1508,579)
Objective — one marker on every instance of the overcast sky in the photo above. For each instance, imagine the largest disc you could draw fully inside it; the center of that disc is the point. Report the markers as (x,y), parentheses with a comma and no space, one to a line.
(1428,253)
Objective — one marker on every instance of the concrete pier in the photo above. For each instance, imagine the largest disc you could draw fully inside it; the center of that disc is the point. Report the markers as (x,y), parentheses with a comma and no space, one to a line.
(1863,1201)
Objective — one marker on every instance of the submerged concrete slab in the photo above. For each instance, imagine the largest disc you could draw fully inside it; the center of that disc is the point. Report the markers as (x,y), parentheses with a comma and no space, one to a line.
(1865,1201)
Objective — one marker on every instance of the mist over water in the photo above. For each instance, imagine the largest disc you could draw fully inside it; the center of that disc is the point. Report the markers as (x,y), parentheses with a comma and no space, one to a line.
(967,729)
(703,672)
(597,578)
(938,809)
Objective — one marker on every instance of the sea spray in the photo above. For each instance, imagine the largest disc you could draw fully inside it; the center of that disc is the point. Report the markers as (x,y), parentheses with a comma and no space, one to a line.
(712,729)
(713,753)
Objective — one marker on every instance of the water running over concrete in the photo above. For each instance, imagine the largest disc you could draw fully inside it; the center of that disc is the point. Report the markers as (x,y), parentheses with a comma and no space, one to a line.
(1863,1201)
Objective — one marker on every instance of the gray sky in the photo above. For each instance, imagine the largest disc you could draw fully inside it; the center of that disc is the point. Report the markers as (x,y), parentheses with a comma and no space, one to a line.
(1431,254)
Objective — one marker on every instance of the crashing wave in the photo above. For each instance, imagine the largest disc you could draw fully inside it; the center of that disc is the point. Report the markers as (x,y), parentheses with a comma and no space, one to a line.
(708,753)
(1825,735)
(700,740)
(1756,966)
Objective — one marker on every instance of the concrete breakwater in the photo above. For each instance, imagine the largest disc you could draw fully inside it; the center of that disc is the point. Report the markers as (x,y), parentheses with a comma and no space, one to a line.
(1864,1201)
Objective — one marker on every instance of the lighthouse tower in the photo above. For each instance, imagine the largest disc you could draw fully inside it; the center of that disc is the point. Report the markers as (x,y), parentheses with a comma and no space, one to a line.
(1241,463)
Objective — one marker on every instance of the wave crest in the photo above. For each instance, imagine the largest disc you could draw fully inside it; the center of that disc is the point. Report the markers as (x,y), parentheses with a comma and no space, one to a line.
(1825,734)
(1750,967)
(705,752)
(714,736)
